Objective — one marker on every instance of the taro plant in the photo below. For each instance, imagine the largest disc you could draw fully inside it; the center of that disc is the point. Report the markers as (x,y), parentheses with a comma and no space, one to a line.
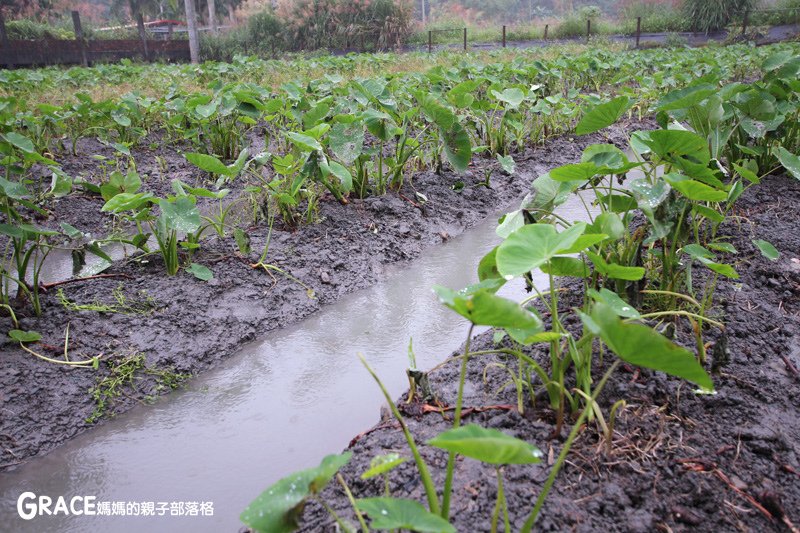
(178,217)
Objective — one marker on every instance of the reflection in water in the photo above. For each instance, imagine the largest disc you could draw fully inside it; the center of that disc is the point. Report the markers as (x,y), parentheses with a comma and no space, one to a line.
(278,406)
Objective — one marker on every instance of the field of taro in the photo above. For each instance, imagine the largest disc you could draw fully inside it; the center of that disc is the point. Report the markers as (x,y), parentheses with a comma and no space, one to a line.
(155,219)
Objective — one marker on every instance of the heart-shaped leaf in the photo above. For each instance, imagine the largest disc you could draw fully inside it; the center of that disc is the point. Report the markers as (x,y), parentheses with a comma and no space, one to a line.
(487,445)
(396,513)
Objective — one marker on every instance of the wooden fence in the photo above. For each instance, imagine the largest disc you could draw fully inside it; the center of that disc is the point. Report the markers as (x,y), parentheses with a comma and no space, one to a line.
(81,51)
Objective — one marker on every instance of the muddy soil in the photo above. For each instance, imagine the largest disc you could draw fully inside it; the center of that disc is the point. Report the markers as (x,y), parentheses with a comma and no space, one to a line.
(679,461)
(185,326)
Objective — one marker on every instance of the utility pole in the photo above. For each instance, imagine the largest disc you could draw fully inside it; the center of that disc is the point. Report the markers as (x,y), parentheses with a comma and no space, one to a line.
(191,23)
(423,11)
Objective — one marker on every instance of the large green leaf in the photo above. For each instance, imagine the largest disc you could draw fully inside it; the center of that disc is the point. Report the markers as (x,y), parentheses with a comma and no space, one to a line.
(513,97)
(346,141)
(181,215)
(396,513)
(457,145)
(615,271)
(206,162)
(305,143)
(693,189)
(483,308)
(767,249)
(279,508)
(24,336)
(533,245)
(686,97)
(789,161)
(383,464)
(642,346)
(678,143)
(487,445)
(603,115)
(20,141)
(127,201)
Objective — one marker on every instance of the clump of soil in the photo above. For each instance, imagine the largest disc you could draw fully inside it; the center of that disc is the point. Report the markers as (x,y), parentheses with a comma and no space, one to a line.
(678,461)
(188,325)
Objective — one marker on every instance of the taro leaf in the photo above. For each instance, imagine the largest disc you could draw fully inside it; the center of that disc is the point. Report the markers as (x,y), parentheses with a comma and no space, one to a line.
(512,97)
(704,256)
(533,245)
(507,163)
(487,445)
(549,193)
(723,247)
(383,464)
(242,240)
(687,97)
(619,306)
(12,231)
(304,142)
(789,161)
(314,115)
(642,346)
(13,189)
(397,513)
(279,508)
(767,249)
(127,201)
(602,116)
(121,118)
(510,223)
(71,231)
(618,203)
(608,223)
(777,60)
(747,173)
(201,272)
(206,162)
(487,268)
(181,215)
(457,145)
(207,110)
(615,271)
(649,197)
(483,308)
(575,172)
(237,166)
(694,190)
(20,141)
(379,124)
(24,336)
(346,141)
(678,143)
(340,172)
(604,155)
(711,214)
(566,266)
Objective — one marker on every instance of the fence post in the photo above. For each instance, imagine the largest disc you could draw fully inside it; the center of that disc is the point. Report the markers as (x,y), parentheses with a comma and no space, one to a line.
(465,39)
(638,30)
(76,22)
(430,41)
(4,42)
(744,22)
(142,36)
(504,35)
(546,27)
(588,28)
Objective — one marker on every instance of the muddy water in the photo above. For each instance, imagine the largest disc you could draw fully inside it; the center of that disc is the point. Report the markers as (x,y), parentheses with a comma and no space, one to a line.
(276,407)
